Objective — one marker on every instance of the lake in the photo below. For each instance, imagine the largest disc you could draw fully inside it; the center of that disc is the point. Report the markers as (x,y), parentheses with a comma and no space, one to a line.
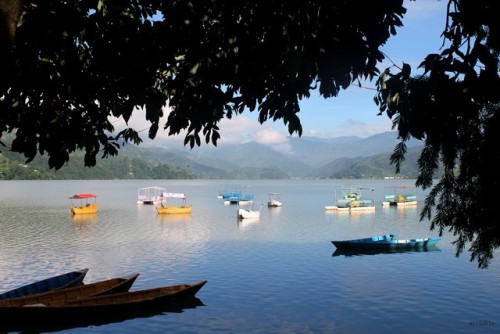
(278,274)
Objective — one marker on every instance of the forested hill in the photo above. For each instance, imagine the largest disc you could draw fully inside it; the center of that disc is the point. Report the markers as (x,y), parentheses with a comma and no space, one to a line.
(123,166)
(339,158)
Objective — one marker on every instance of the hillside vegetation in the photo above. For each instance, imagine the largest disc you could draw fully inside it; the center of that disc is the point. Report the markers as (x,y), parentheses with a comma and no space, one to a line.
(338,158)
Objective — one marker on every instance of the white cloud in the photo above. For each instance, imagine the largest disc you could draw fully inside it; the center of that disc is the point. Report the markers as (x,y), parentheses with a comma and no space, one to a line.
(276,140)
(268,136)
(354,127)
(242,129)
(238,130)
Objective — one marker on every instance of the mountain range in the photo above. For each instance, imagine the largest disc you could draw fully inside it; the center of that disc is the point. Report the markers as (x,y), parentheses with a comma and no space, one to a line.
(298,157)
(304,157)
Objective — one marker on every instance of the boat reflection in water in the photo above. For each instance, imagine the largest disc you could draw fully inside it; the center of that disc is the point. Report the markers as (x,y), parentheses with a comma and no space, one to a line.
(90,218)
(248,223)
(51,325)
(175,218)
(359,252)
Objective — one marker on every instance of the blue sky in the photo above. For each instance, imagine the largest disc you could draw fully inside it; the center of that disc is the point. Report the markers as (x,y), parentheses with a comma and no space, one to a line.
(353,112)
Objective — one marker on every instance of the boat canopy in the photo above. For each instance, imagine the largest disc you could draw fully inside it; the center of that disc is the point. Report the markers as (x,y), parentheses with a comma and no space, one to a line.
(174,195)
(80,196)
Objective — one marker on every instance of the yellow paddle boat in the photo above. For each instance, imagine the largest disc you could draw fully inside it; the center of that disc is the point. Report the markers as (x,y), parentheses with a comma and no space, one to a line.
(88,204)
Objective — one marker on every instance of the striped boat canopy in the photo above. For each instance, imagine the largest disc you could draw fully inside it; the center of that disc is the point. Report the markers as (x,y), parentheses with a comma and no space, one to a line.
(173,195)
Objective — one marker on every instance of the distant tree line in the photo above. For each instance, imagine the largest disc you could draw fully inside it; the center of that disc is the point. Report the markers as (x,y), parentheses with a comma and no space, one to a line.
(13,167)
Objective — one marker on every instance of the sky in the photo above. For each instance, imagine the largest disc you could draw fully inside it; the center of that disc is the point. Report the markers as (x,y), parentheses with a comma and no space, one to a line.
(353,112)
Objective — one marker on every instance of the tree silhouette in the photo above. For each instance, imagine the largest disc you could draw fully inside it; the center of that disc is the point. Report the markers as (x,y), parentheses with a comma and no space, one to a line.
(454,108)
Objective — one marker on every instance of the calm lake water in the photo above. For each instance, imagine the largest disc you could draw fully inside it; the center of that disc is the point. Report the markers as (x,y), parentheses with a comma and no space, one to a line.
(278,274)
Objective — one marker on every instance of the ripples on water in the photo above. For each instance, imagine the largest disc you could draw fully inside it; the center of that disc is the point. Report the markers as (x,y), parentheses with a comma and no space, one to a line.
(278,274)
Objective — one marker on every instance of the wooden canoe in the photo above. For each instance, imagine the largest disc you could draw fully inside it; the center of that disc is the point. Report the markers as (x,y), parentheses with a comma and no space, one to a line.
(387,241)
(66,280)
(114,285)
(99,306)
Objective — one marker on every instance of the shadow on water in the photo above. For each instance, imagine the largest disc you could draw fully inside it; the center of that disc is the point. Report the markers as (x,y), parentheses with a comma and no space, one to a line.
(361,252)
(45,325)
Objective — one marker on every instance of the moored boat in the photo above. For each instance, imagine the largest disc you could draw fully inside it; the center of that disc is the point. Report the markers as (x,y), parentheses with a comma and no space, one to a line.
(351,200)
(114,285)
(274,200)
(87,204)
(183,208)
(150,195)
(249,213)
(100,306)
(361,205)
(400,196)
(236,196)
(66,280)
(387,241)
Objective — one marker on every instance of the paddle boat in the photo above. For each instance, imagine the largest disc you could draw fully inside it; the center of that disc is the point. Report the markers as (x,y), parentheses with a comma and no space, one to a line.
(249,213)
(351,200)
(400,196)
(151,195)
(88,204)
(183,208)
(274,200)
(236,196)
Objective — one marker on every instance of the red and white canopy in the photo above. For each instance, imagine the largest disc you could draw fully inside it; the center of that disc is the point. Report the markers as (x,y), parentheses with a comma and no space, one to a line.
(80,196)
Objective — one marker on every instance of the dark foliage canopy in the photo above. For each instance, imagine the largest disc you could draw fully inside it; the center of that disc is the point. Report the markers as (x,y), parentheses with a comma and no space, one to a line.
(72,64)
(454,108)
(67,66)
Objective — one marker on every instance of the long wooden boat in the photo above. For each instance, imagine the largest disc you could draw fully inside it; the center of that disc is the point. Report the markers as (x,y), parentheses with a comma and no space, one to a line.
(99,306)
(114,285)
(387,241)
(66,280)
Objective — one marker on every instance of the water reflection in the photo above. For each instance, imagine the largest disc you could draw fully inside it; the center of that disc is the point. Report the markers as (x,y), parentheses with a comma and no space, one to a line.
(351,217)
(401,212)
(174,218)
(247,223)
(90,218)
(252,261)
(360,252)
(274,210)
(50,324)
